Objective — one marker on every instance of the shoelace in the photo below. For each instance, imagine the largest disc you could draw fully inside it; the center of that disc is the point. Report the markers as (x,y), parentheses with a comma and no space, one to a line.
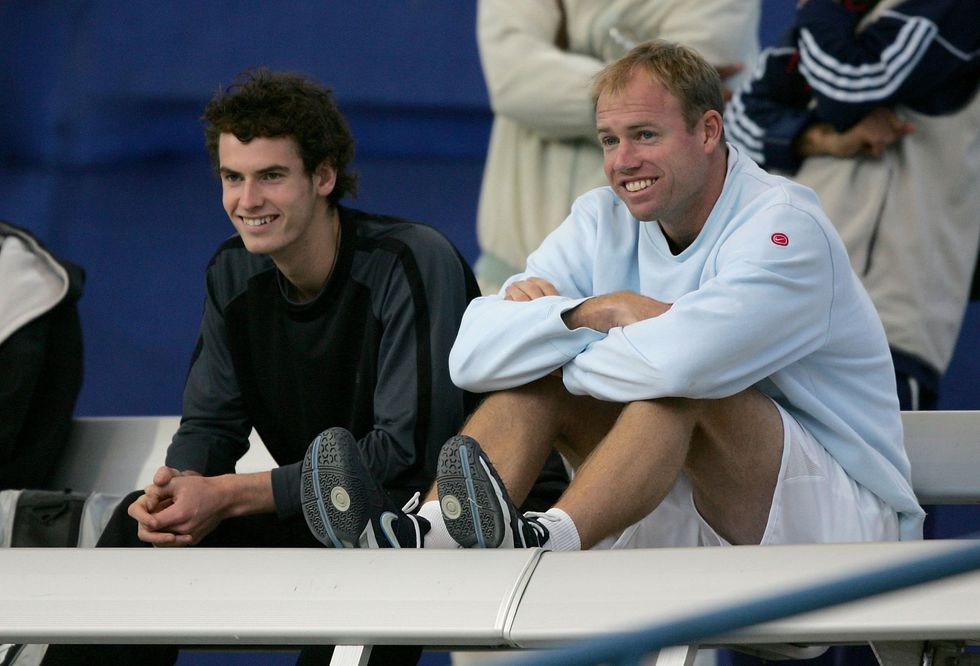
(533,519)
(413,503)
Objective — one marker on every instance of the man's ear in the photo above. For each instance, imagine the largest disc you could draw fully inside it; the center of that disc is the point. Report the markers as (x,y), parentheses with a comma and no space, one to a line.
(713,129)
(324,179)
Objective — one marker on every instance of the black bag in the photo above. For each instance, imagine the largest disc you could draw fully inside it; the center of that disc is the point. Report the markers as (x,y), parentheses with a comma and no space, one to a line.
(47,518)
(41,377)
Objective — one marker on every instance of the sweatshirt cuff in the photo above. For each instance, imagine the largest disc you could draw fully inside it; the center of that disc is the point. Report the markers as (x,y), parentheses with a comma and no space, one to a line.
(570,341)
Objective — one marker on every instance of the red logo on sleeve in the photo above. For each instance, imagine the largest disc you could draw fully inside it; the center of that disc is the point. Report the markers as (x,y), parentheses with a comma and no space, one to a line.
(779,239)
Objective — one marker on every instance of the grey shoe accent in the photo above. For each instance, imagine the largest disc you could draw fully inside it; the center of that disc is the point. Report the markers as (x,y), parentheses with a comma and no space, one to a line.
(475,505)
(336,502)
(346,507)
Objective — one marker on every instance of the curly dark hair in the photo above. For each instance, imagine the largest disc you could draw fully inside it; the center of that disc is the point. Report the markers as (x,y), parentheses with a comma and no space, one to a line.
(262,103)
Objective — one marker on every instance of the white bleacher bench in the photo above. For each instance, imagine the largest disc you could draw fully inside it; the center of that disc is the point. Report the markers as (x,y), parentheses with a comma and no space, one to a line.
(506,598)
(120,454)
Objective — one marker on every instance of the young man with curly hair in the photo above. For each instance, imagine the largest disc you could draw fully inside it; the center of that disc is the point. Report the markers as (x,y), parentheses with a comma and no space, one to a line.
(316,316)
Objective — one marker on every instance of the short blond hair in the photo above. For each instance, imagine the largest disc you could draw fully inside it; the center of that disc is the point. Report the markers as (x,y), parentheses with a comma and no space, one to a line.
(680,69)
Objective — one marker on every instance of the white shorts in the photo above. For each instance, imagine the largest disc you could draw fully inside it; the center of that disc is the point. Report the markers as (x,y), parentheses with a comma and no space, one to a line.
(815,501)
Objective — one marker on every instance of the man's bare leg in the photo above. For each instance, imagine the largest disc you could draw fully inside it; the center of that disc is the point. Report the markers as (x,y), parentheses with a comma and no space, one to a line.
(518,429)
(631,470)
(734,464)
(731,449)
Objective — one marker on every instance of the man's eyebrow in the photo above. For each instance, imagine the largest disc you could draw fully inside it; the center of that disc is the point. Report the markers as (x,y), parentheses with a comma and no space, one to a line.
(273,167)
(264,170)
(629,128)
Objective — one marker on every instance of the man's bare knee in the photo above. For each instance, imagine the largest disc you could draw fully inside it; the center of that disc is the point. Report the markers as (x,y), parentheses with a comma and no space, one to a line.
(682,411)
(541,394)
(748,415)
(573,424)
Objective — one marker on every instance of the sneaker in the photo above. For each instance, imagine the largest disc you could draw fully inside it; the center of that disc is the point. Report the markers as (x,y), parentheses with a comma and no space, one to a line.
(345,506)
(474,502)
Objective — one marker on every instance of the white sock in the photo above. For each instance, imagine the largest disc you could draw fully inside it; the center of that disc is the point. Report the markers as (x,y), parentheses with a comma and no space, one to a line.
(438,536)
(562,533)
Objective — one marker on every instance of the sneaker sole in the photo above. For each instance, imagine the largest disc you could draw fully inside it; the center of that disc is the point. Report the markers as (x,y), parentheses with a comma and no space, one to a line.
(467,496)
(335,501)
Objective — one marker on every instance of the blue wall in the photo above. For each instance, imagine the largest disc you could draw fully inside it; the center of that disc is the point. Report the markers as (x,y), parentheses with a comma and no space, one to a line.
(101,152)
(101,149)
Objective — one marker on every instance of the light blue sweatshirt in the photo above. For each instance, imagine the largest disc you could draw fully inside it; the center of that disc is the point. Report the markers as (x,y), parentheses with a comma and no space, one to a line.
(764,297)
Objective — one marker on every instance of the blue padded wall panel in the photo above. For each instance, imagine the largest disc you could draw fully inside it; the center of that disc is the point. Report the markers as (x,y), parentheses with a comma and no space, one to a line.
(101,155)
(99,81)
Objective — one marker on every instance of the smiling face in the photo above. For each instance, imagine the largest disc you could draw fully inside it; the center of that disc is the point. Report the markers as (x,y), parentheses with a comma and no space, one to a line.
(277,208)
(661,170)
